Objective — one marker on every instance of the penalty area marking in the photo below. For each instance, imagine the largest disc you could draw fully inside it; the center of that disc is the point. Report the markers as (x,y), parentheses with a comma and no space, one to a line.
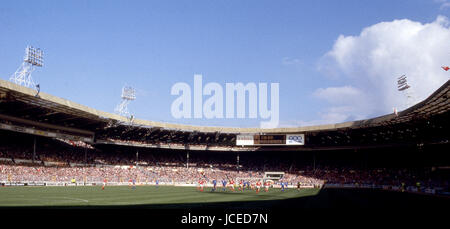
(51,199)
(70,198)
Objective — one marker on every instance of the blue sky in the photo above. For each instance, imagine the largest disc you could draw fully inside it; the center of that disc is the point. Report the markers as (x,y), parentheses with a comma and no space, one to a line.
(93,48)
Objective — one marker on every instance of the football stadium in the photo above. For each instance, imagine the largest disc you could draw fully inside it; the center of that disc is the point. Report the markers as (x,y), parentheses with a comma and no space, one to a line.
(55,153)
(224,113)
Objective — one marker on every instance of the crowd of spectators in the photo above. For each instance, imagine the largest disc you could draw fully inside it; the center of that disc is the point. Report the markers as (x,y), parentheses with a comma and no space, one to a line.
(13,172)
(119,164)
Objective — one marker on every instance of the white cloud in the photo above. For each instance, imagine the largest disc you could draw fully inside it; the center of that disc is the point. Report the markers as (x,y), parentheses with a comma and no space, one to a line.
(444,3)
(290,61)
(338,95)
(369,64)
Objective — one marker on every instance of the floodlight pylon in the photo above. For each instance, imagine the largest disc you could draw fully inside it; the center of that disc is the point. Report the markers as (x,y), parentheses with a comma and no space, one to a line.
(128,95)
(405,88)
(33,58)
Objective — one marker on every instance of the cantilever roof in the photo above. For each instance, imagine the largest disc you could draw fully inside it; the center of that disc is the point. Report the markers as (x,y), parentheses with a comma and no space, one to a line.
(434,104)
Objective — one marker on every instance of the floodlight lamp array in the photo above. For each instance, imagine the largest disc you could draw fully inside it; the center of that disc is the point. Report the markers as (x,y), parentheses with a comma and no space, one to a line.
(128,93)
(402,83)
(34,56)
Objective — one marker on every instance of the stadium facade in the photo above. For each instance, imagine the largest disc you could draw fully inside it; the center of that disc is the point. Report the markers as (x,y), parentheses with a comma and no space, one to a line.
(394,150)
(24,110)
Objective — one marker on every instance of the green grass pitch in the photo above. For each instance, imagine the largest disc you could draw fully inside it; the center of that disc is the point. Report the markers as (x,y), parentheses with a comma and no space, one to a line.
(116,196)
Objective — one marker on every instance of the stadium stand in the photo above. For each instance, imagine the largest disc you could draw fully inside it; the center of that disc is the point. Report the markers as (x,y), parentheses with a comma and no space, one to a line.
(49,140)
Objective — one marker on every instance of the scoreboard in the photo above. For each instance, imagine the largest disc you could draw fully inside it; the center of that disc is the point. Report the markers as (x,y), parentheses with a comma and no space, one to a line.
(269,139)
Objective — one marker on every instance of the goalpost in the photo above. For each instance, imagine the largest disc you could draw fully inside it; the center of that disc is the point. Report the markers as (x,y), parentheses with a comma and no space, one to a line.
(275,176)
